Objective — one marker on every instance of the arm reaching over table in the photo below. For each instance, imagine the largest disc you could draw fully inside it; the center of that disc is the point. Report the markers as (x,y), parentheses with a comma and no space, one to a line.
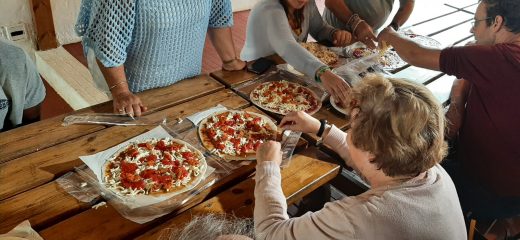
(410,51)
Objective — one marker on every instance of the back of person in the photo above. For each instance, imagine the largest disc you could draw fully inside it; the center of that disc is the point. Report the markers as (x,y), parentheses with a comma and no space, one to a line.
(418,209)
(489,138)
(375,12)
(21,87)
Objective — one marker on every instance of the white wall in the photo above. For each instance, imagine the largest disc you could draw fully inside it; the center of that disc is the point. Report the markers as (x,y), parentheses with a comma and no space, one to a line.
(19,11)
(64,13)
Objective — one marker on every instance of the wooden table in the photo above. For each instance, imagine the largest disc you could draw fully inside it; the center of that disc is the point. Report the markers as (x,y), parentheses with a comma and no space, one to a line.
(34,156)
(450,26)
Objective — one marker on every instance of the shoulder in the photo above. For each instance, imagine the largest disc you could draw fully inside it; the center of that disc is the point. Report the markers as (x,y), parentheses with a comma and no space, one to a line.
(267,7)
(10,51)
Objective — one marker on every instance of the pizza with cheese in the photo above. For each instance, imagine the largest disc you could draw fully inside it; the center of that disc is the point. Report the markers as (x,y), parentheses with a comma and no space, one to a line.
(321,52)
(284,97)
(236,135)
(154,167)
(388,59)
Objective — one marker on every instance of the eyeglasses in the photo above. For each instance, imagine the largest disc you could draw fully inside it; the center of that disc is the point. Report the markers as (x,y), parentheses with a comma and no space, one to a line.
(475,21)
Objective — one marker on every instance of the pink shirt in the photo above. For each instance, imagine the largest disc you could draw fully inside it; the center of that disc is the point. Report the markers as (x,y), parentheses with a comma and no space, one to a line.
(418,209)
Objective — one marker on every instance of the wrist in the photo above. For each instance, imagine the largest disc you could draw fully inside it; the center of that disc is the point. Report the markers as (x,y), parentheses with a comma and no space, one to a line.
(321,129)
(320,72)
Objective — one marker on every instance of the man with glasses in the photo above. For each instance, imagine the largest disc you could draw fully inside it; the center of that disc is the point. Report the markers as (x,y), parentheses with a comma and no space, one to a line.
(484,107)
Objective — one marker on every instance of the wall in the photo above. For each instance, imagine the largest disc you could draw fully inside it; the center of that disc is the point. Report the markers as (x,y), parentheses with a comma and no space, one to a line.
(65,13)
(19,11)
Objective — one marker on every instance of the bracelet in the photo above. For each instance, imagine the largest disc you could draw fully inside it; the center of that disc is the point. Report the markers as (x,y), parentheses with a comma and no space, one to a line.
(323,123)
(320,71)
(357,24)
(353,18)
(229,61)
(115,85)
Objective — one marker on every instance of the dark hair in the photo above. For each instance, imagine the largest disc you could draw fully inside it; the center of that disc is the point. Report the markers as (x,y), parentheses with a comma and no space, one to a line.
(298,14)
(508,9)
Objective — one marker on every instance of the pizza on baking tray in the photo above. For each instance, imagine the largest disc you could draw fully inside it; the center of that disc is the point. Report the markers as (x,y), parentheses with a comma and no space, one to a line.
(236,135)
(283,97)
(154,167)
(321,52)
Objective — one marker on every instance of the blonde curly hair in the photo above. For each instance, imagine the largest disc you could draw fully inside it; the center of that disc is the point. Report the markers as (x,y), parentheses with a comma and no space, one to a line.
(400,122)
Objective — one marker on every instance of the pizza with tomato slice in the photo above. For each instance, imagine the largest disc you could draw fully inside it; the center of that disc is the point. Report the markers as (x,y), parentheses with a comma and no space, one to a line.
(236,135)
(154,167)
(284,97)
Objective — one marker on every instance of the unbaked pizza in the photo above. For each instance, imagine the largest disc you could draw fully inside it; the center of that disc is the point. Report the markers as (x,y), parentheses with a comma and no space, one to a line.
(283,97)
(388,59)
(154,167)
(321,52)
(236,135)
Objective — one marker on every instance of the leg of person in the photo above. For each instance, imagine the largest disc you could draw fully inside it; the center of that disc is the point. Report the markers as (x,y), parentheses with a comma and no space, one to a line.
(31,115)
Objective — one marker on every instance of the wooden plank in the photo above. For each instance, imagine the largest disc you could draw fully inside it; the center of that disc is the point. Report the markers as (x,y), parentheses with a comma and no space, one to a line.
(417,74)
(231,79)
(452,35)
(32,170)
(45,33)
(107,223)
(69,78)
(301,177)
(441,23)
(441,88)
(28,139)
(118,220)
(42,206)
(423,13)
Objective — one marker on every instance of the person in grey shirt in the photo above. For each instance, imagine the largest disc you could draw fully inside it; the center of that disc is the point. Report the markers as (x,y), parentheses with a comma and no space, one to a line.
(364,17)
(22,90)
(277,27)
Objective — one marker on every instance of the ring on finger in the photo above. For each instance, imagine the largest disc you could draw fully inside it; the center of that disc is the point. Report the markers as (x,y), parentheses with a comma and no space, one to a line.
(121,110)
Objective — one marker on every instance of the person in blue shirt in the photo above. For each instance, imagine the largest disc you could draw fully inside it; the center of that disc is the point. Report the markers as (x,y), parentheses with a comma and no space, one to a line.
(133,45)
(21,88)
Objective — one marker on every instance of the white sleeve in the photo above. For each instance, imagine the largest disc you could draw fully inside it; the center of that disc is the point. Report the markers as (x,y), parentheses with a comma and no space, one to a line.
(279,35)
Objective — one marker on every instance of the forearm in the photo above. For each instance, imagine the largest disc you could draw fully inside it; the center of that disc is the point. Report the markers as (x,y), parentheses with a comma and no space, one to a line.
(455,113)
(337,140)
(270,204)
(404,12)
(412,52)
(222,40)
(340,9)
(115,77)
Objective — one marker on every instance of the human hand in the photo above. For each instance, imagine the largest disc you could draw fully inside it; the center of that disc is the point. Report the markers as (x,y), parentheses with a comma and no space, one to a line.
(269,151)
(336,86)
(125,102)
(341,38)
(234,65)
(365,34)
(385,35)
(300,121)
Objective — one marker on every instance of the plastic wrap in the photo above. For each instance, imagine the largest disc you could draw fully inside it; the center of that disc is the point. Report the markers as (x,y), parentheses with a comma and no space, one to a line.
(86,185)
(356,69)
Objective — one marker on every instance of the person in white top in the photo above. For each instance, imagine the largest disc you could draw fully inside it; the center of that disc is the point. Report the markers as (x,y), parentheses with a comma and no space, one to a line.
(277,27)
(395,142)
